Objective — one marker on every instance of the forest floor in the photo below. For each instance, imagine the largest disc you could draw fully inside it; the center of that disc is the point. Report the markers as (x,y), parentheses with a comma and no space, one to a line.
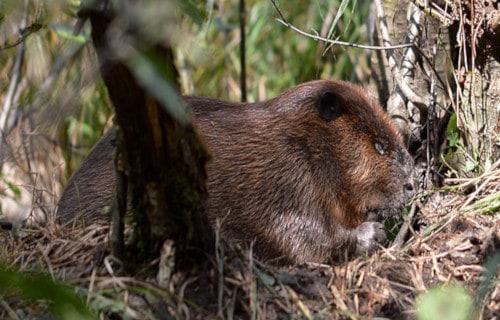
(453,244)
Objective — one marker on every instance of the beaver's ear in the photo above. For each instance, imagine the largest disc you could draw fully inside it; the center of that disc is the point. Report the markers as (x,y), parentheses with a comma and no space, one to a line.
(330,106)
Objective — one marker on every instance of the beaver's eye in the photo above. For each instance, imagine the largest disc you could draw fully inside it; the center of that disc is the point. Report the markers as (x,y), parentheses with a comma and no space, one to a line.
(381,148)
(329,106)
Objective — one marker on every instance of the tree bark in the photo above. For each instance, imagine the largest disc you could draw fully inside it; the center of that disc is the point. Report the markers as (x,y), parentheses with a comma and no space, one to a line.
(164,158)
(441,68)
(478,71)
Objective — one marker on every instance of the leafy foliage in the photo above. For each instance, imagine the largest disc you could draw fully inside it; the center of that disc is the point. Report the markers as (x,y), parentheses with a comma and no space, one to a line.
(61,300)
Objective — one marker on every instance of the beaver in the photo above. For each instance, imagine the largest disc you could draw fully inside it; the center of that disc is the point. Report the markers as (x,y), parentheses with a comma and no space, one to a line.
(308,176)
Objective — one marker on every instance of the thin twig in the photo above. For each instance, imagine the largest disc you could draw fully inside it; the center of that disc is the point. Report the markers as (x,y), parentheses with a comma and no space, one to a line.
(342,43)
(287,24)
(398,241)
(279,11)
(431,65)
(23,34)
(436,12)
(243,75)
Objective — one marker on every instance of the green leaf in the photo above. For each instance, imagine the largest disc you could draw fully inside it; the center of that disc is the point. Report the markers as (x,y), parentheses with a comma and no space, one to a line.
(191,10)
(451,302)
(452,123)
(452,133)
(64,303)
(153,74)
(453,139)
(66,32)
(13,188)
(340,13)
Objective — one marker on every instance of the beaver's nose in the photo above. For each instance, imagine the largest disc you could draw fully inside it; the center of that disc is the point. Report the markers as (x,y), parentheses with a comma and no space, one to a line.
(410,187)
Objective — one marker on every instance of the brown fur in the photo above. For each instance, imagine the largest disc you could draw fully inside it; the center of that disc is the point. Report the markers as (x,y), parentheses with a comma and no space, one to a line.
(89,189)
(299,178)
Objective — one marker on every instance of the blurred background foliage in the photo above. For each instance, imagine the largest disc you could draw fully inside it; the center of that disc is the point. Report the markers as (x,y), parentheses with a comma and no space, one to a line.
(277,58)
(62,94)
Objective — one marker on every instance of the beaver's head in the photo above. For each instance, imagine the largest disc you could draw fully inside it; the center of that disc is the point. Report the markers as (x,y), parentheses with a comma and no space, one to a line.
(360,166)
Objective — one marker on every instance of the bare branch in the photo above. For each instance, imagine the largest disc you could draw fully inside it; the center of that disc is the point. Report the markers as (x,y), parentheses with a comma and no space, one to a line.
(243,74)
(435,11)
(316,37)
(341,43)
(23,34)
(279,11)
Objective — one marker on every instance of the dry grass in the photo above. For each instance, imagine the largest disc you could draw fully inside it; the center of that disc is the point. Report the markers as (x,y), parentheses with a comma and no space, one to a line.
(451,245)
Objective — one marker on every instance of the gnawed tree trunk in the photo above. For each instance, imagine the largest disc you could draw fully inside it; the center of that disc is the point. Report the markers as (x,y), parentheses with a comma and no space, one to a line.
(164,159)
